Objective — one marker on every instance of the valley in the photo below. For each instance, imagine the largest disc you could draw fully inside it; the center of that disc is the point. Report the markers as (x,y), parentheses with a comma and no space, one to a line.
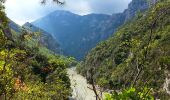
(78,34)
(69,56)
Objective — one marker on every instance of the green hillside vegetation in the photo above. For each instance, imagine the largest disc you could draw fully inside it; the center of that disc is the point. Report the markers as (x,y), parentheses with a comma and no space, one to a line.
(137,56)
(29,71)
(45,38)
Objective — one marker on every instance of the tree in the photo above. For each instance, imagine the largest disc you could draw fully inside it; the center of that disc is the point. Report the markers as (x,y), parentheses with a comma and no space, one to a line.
(25,71)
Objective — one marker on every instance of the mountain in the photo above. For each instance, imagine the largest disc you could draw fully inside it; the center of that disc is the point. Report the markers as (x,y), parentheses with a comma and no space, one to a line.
(117,20)
(137,55)
(14,26)
(76,34)
(46,38)
(79,34)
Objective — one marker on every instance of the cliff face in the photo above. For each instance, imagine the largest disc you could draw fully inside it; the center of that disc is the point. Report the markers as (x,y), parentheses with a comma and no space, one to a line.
(137,6)
(134,7)
(116,20)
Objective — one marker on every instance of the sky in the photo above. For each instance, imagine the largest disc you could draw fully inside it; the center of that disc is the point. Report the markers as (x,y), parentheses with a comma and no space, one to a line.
(21,11)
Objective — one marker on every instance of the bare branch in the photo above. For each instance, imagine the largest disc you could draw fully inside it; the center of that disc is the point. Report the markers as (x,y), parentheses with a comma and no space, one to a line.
(57,1)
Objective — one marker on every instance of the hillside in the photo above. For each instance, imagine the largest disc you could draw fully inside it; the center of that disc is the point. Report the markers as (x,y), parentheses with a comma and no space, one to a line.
(29,71)
(46,39)
(137,55)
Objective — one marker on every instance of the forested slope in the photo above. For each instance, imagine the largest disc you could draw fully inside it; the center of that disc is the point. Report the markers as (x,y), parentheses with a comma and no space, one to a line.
(29,71)
(45,38)
(138,55)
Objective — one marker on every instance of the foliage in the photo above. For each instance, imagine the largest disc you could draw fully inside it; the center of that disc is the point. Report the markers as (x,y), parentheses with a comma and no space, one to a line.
(130,94)
(137,55)
(29,71)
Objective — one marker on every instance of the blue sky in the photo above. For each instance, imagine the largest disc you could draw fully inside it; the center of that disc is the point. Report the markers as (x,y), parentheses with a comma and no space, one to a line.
(22,11)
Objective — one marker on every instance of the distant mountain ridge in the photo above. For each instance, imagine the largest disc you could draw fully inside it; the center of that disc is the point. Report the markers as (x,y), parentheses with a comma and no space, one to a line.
(79,34)
(76,34)
(46,39)
(14,26)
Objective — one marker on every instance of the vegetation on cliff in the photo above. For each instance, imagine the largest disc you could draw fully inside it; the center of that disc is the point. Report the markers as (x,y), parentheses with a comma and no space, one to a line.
(136,56)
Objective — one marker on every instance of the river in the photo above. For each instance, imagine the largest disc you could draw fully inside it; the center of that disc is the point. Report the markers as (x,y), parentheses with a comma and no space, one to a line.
(79,86)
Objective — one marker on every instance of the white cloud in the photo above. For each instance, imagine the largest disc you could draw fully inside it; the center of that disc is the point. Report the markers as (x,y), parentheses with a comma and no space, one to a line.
(22,11)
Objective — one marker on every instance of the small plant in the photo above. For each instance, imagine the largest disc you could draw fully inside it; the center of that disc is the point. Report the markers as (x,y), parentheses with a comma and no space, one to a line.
(130,94)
